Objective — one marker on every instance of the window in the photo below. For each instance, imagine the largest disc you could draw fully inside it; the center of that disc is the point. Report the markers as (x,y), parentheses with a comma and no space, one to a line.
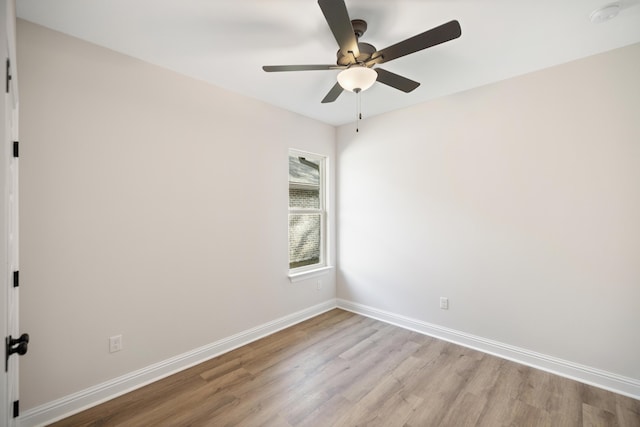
(307,215)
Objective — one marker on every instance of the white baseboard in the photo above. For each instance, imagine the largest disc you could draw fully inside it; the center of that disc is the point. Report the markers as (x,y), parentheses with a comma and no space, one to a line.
(77,402)
(585,374)
(74,403)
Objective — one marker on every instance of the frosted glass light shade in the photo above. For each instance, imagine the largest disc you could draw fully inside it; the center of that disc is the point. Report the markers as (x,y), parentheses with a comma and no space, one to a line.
(356,79)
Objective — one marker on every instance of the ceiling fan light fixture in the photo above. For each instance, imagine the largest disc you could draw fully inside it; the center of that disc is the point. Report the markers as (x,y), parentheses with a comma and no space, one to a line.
(357,79)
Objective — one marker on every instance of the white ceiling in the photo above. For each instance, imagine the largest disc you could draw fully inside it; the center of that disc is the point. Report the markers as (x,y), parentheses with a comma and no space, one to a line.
(226,42)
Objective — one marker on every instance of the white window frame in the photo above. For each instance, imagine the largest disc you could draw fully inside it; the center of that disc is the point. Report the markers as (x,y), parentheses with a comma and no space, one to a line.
(320,268)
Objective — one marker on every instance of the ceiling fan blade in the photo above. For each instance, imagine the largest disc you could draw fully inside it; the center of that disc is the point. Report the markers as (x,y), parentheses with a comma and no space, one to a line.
(335,12)
(333,94)
(271,68)
(396,81)
(445,32)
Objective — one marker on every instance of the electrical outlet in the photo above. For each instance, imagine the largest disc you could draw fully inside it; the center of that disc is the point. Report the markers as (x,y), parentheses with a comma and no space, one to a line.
(115,343)
(444,303)
(319,285)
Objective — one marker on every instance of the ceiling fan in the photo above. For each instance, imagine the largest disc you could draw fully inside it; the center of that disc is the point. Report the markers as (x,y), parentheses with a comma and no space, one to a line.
(357,59)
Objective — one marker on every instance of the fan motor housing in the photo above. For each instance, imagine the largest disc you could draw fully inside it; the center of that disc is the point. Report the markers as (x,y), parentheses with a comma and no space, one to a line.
(366,50)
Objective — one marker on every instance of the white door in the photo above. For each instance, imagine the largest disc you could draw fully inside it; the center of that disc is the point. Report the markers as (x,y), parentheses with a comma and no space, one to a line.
(9,251)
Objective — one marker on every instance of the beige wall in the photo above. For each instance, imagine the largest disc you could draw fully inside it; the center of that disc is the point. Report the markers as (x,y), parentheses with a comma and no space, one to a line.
(519,201)
(153,206)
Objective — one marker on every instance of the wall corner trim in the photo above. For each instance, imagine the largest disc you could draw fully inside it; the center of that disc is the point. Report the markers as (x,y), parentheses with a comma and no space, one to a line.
(598,378)
(92,396)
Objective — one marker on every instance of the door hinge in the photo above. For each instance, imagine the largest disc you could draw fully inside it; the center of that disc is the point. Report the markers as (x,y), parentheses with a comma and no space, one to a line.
(16,279)
(16,409)
(8,74)
(16,149)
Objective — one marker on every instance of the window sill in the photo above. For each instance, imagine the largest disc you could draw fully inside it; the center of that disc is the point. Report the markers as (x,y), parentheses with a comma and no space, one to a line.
(296,277)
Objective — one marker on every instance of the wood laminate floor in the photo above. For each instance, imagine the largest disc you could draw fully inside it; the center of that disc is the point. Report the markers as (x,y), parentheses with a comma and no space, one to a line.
(342,369)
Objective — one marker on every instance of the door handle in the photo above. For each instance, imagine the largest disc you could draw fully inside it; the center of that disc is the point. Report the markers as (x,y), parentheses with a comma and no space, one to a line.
(18,345)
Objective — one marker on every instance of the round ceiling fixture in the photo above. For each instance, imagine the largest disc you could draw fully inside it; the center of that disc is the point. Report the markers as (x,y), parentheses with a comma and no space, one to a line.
(605,13)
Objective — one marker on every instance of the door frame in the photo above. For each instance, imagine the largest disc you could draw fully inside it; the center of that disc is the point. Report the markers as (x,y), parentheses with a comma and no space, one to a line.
(8,209)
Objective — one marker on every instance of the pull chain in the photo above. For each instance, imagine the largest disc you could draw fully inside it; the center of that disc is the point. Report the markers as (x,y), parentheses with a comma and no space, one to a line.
(358,110)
